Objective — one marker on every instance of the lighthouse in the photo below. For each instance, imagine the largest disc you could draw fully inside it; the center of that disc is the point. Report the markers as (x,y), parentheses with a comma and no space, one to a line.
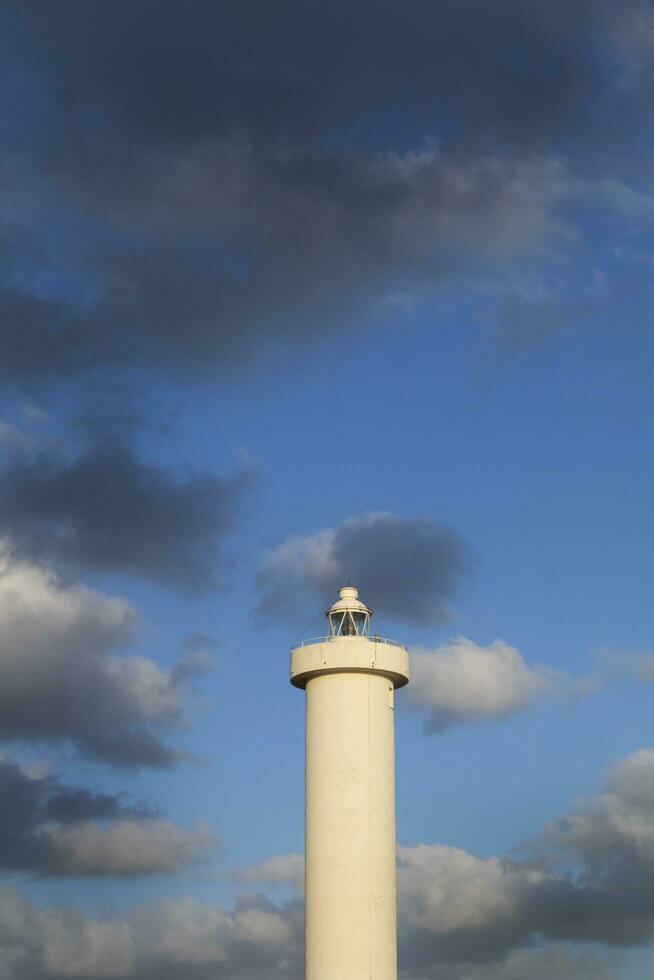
(350,677)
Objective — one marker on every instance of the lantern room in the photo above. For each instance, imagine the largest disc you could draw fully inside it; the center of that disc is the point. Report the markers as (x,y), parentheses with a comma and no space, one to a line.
(348,616)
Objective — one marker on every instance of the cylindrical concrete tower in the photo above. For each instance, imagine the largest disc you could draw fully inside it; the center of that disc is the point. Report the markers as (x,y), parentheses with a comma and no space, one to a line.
(350,677)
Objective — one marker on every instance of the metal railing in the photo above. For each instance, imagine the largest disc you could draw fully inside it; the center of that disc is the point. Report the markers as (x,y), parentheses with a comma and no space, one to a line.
(328,639)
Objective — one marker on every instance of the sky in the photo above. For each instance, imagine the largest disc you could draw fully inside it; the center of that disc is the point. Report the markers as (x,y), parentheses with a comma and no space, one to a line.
(293,294)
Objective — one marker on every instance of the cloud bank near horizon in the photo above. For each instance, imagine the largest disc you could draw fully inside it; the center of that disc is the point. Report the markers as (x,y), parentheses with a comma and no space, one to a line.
(583,880)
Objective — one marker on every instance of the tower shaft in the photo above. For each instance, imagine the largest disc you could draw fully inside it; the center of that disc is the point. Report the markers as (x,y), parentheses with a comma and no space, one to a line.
(350,828)
(350,680)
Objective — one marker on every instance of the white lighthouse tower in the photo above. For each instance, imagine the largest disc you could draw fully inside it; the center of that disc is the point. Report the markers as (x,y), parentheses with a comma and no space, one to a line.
(349,678)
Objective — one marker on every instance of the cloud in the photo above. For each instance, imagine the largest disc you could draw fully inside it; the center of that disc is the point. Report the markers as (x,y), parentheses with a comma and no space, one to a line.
(55,830)
(615,831)
(558,962)
(126,848)
(461,917)
(163,939)
(407,569)
(457,908)
(390,223)
(637,665)
(277,93)
(459,903)
(461,682)
(14,439)
(107,510)
(586,878)
(258,180)
(61,681)
(280,869)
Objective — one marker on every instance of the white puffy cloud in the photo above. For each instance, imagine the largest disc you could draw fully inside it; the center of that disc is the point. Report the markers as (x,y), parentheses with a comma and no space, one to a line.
(279,869)
(445,889)
(74,945)
(43,618)
(164,939)
(257,925)
(61,680)
(463,682)
(125,848)
(455,908)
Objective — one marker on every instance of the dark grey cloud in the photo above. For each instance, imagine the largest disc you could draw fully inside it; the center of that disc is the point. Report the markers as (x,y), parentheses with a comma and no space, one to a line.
(61,679)
(40,338)
(527,74)
(317,242)
(105,509)
(405,568)
(206,181)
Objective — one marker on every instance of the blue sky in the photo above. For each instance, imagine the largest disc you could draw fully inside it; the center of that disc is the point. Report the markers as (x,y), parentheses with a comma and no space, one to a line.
(288,296)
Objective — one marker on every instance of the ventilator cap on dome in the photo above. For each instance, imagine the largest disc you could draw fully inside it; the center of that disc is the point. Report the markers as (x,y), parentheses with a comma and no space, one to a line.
(348,616)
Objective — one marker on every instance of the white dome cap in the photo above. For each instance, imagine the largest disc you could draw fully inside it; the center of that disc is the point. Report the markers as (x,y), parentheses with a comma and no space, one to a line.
(348,600)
